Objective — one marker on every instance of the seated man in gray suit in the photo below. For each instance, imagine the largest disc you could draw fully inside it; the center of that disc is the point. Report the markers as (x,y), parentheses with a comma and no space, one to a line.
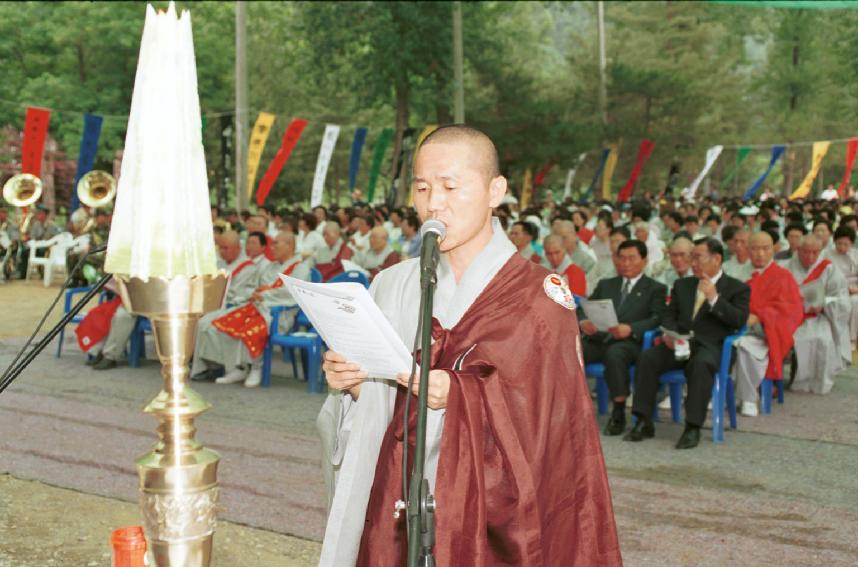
(639,302)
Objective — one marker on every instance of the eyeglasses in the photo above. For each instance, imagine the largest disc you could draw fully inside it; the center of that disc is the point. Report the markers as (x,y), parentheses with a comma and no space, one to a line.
(700,257)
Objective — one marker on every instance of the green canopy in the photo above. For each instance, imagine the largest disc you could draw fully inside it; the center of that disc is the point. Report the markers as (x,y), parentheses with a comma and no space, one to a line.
(794,4)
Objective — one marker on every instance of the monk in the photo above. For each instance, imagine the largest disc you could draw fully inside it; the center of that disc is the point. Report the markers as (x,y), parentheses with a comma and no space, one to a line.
(559,262)
(513,454)
(380,255)
(776,313)
(822,345)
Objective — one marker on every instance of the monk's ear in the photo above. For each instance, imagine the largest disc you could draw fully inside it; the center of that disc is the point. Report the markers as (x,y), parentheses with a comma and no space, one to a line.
(497,190)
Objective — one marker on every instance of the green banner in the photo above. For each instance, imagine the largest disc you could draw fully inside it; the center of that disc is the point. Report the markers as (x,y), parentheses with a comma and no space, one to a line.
(377,159)
(741,154)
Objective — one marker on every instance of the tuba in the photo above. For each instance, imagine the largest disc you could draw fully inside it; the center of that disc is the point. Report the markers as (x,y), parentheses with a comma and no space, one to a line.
(95,189)
(21,191)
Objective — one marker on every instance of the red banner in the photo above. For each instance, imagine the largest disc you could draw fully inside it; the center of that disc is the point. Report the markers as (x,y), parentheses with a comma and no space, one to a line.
(540,177)
(644,152)
(290,138)
(35,132)
(851,152)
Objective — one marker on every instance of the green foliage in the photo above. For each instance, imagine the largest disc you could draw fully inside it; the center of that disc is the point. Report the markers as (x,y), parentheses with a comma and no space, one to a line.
(687,75)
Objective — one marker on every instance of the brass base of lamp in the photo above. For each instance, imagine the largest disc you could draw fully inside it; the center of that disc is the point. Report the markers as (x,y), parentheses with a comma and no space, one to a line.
(178,478)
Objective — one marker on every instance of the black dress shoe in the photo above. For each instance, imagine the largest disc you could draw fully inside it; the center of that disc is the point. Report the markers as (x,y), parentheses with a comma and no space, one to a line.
(642,430)
(615,426)
(95,360)
(208,375)
(104,364)
(690,438)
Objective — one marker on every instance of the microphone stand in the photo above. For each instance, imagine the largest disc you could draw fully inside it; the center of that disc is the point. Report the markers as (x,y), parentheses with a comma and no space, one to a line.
(421,503)
(14,372)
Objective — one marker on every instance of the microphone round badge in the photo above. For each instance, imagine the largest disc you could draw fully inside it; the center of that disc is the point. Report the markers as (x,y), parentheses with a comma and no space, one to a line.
(558,291)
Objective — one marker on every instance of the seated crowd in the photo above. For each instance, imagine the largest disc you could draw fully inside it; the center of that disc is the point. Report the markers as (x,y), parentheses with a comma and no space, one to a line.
(698,272)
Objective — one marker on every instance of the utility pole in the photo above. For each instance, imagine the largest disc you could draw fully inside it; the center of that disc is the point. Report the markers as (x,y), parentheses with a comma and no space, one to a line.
(603,88)
(458,74)
(241,201)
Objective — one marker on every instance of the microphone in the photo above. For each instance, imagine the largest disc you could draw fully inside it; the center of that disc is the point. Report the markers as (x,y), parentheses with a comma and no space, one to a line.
(432,232)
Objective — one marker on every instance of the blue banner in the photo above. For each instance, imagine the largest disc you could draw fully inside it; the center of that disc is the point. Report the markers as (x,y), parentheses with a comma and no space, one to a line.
(602,160)
(88,148)
(354,162)
(777,152)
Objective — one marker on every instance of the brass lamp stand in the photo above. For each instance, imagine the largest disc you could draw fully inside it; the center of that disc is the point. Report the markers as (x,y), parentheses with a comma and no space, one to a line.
(178,477)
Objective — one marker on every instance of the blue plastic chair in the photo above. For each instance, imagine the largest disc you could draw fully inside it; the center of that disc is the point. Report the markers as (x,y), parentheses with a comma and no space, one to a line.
(308,341)
(351,276)
(766,394)
(597,370)
(137,344)
(67,305)
(722,391)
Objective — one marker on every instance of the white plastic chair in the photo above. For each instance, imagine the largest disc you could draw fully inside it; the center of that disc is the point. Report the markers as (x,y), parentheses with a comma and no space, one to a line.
(55,259)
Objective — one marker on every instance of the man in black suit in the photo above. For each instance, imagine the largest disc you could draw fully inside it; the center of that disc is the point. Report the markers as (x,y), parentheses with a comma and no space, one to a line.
(639,302)
(711,305)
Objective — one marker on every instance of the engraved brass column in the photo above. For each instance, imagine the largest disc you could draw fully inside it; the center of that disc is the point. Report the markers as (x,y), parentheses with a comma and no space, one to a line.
(178,477)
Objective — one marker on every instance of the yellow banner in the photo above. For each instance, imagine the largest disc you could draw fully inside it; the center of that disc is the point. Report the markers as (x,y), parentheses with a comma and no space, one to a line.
(819,151)
(526,189)
(610,165)
(257,143)
(426,131)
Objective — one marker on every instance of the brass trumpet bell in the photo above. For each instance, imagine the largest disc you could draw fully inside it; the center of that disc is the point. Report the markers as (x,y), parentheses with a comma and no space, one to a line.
(22,190)
(96,189)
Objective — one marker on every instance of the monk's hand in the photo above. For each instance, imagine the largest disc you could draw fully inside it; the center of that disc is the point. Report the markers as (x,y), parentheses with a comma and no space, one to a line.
(621,331)
(439,386)
(853,291)
(753,320)
(816,310)
(668,341)
(588,327)
(342,375)
(707,288)
(256,297)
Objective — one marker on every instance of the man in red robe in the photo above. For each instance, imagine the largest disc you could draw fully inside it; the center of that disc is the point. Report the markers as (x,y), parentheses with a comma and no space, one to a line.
(513,453)
(776,312)
(329,258)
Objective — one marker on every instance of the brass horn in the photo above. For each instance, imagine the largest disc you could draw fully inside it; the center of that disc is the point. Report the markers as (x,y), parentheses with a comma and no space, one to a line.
(96,189)
(22,190)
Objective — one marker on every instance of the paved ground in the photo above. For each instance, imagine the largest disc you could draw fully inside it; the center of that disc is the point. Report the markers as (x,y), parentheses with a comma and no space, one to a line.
(780,491)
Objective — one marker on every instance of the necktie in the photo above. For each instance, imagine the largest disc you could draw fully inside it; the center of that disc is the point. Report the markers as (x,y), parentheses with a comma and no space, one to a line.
(698,303)
(625,291)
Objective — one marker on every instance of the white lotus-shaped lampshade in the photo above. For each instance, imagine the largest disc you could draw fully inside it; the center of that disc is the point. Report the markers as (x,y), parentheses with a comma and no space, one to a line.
(162,220)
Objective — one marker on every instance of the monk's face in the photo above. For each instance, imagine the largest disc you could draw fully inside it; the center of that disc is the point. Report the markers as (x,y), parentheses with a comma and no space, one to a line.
(453,185)
(283,247)
(843,244)
(762,250)
(554,253)
(808,254)
(377,240)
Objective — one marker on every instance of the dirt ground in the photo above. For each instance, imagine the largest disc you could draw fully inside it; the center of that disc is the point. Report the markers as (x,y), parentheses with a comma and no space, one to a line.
(34,535)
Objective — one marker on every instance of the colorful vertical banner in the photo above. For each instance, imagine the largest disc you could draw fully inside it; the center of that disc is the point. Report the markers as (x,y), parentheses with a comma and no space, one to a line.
(88,149)
(35,131)
(290,139)
(258,137)
(803,190)
(777,152)
(610,165)
(377,159)
(540,177)
(526,189)
(598,174)
(711,156)
(644,151)
(851,152)
(354,160)
(426,131)
(329,140)
(741,154)
(570,175)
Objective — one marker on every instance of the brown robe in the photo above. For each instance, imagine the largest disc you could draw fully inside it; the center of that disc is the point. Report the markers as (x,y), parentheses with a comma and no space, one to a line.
(521,477)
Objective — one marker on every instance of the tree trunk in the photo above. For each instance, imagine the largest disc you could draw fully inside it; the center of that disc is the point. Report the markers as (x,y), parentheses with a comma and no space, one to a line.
(402,111)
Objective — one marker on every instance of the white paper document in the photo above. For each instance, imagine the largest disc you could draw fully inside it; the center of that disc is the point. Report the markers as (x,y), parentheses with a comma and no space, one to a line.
(601,313)
(350,323)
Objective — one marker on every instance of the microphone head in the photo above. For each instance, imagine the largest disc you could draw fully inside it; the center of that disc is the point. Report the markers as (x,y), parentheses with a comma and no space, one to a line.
(436,226)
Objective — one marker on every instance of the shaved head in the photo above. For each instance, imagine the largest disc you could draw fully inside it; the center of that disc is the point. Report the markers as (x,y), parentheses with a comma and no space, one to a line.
(461,134)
